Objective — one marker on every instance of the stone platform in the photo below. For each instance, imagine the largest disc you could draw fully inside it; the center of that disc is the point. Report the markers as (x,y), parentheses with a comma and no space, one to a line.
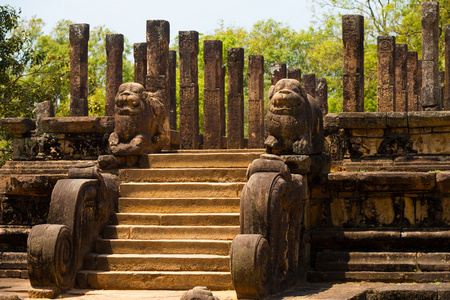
(17,289)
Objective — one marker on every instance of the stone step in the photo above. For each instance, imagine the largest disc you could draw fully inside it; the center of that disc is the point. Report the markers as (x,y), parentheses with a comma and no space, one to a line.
(179,205)
(202,159)
(184,175)
(153,280)
(157,262)
(366,261)
(186,219)
(13,260)
(382,261)
(126,246)
(391,277)
(373,239)
(170,232)
(181,190)
(39,167)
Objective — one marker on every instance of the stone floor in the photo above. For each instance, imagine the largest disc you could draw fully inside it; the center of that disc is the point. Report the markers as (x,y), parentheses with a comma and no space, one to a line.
(17,289)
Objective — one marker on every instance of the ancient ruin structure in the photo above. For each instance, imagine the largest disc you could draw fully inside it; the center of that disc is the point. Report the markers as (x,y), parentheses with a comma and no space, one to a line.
(431,91)
(189,127)
(295,74)
(353,78)
(140,62)
(213,104)
(309,82)
(386,74)
(401,95)
(235,98)
(138,124)
(256,114)
(354,196)
(277,72)
(294,120)
(114,51)
(79,37)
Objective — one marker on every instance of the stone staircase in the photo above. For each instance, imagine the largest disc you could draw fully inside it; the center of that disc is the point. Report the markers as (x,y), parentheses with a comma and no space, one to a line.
(176,219)
(380,254)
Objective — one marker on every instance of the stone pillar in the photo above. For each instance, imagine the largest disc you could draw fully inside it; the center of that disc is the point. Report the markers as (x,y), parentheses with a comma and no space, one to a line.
(157,80)
(212,95)
(447,68)
(140,62)
(235,99)
(114,67)
(189,116)
(401,95)
(256,101)
(386,74)
(419,84)
(222,104)
(79,37)
(431,89)
(322,95)
(353,77)
(43,110)
(309,82)
(295,74)
(442,85)
(277,72)
(411,81)
(173,89)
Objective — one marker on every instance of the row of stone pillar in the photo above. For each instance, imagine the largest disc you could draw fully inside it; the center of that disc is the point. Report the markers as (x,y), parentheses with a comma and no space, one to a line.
(405,83)
(318,89)
(155,68)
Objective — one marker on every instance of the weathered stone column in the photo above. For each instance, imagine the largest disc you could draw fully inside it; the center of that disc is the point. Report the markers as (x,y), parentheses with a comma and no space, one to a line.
(222,103)
(256,101)
(173,89)
(447,68)
(235,99)
(386,74)
(430,56)
(411,81)
(212,95)
(401,95)
(157,80)
(140,62)
(419,84)
(114,67)
(79,37)
(189,116)
(309,82)
(322,95)
(442,85)
(277,72)
(295,74)
(353,77)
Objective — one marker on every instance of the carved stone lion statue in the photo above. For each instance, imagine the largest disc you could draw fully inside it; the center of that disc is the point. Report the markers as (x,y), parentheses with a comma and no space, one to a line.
(294,120)
(138,123)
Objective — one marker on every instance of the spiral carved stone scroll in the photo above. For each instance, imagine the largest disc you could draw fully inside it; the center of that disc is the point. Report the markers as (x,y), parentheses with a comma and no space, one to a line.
(51,261)
(265,256)
(79,208)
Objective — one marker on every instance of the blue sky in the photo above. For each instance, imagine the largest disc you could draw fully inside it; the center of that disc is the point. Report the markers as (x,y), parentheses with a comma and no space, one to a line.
(129,16)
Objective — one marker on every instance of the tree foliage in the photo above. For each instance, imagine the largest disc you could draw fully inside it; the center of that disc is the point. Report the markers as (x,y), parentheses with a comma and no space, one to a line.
(35,67)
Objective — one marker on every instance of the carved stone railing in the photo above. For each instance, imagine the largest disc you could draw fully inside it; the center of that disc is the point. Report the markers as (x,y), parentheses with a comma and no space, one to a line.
(80,206)
(265,256)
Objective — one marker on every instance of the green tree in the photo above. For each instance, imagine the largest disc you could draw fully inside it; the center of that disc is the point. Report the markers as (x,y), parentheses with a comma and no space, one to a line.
(35,67)
(399,18)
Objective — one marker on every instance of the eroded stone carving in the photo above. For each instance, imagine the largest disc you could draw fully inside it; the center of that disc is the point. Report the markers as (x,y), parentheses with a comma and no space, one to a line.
(265,256)
(294,120)
(139,119)
(199,293)
(80,207)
